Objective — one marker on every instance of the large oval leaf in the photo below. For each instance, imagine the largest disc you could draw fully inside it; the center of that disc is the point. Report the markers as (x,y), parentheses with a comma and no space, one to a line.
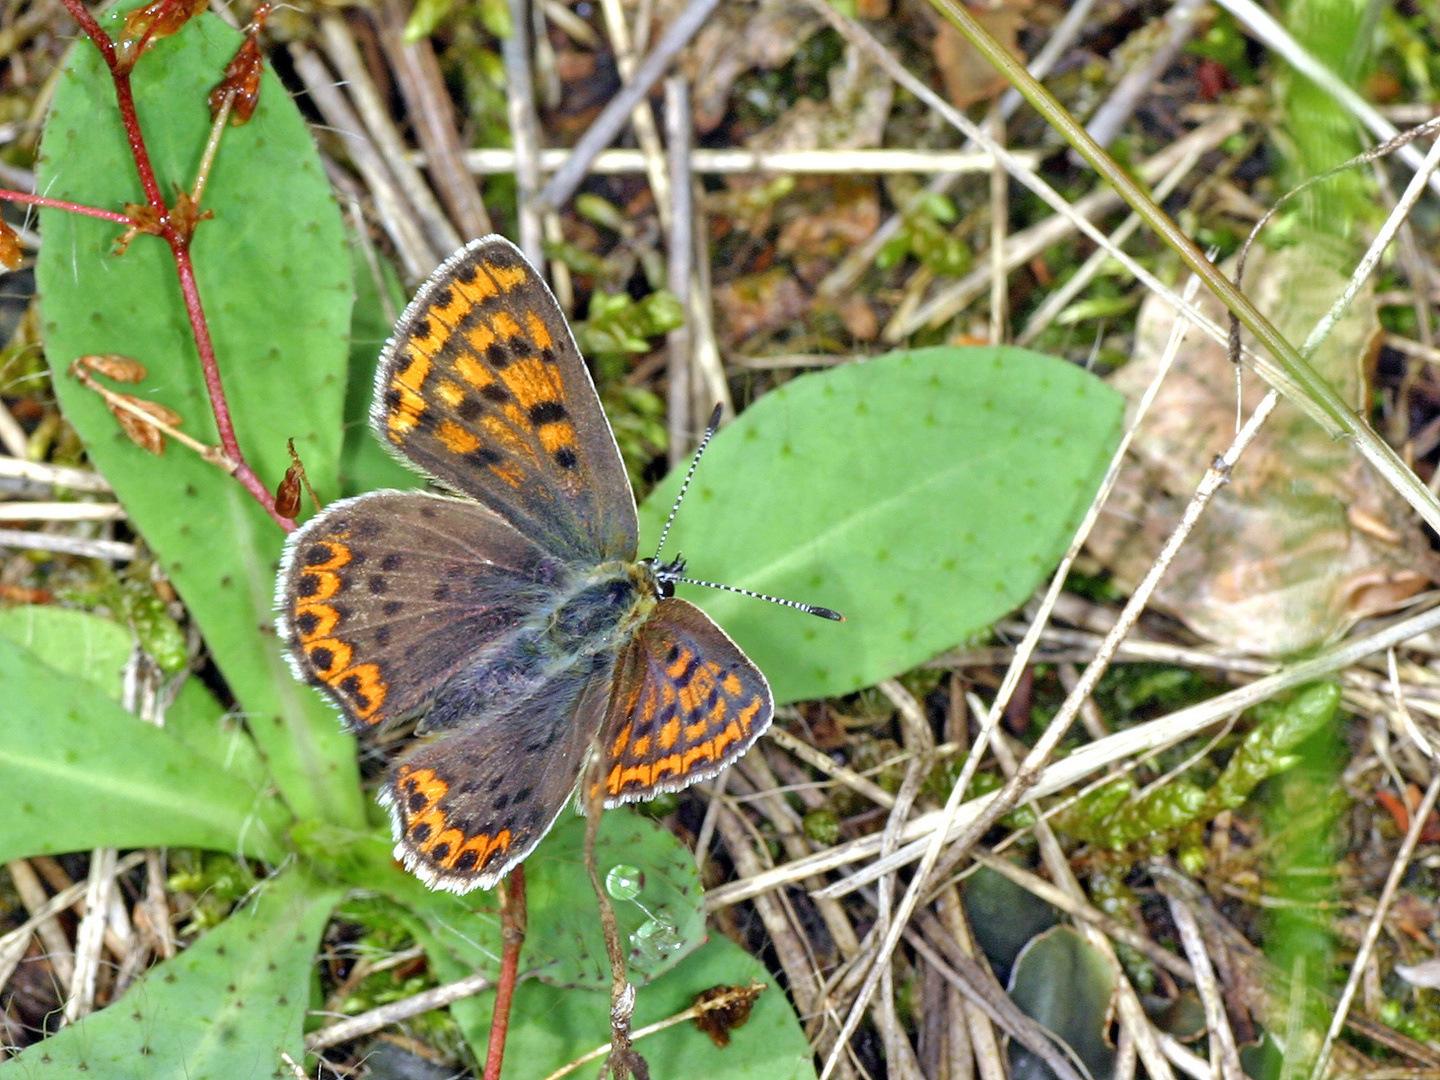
(923,495)
(275,281)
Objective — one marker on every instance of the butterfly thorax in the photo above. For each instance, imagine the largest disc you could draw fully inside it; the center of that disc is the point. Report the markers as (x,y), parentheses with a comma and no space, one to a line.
(603,608)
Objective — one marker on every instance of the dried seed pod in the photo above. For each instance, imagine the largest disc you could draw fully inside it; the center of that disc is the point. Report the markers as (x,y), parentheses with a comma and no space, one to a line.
(115,366)
(141,432)
(10,254)
(241,83)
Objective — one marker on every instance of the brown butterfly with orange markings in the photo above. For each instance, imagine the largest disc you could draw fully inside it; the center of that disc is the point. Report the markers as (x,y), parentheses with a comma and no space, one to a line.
(513,618)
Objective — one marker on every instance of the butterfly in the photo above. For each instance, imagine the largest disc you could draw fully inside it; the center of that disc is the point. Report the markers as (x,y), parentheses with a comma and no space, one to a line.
(512,616)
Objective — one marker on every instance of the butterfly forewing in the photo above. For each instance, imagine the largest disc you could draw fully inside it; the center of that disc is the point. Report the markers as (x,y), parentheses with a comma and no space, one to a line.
(383,597)
(483,388)
(686,702)
(474,802)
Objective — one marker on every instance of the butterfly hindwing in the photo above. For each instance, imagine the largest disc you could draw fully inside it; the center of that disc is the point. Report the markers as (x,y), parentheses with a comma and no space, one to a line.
(686,702)
(483,388)
(473,803)
(384,596)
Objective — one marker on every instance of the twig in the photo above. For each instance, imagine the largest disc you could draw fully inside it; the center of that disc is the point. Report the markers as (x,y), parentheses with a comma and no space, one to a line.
(70,207)
(721,1001)
(622,1055)
(642,120)
(61,511)
(177,235)
(110,550)
(384,1015)
(433,115)
(524,129)
(608,124)
(680,399)
(1088,760)
(1110,117)
(707,161)
(395,213)
(845,275)
(14,942)
(1223,1053)
(341,50)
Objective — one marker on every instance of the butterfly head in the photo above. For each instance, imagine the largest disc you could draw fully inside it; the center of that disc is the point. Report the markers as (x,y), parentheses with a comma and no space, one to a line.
(666,574)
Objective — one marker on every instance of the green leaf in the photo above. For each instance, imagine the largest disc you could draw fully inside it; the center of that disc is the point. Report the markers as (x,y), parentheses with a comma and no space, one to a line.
(76,643)
(224,1009)
(564,945)
(550,1026)
(1066,984)
(96,649)
(275,281)
(922,495)
(365,465)
(81,773)
(428,14)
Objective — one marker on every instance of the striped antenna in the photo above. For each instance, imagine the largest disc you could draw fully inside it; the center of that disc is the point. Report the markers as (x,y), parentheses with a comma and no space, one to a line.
(710,430)
(669,574)
(809,609)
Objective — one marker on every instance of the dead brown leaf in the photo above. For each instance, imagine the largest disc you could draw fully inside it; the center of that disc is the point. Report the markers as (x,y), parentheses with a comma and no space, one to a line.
(967,75)
(758,302)
(1305,539)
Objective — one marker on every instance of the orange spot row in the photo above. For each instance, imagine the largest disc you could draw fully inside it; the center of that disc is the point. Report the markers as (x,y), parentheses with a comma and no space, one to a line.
(539,332)
(646,774)
(325,619)
(532,381)
(327,584)
(478,290)
(339,556)
(457,439)
(485,848)
(414,374)
(509,278)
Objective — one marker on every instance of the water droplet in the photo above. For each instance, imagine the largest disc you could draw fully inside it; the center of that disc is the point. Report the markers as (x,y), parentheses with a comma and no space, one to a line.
(624,881)
(655,939)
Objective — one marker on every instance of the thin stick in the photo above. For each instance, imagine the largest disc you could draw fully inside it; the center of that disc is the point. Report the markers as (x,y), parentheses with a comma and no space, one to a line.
(721,1001)
(622,994)
(612,118)
(383,1016)
(680,250)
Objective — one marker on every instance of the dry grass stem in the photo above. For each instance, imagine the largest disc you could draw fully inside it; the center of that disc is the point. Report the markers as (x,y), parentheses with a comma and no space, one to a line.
(392,1013)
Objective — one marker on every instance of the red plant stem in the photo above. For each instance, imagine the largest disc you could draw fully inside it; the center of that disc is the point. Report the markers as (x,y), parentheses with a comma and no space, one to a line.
(179,244)
(124,98)
(512,919)
(185,269)
(61,204)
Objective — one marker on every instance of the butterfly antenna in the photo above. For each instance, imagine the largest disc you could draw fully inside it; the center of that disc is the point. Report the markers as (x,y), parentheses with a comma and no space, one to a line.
(710,430)
(809,609)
